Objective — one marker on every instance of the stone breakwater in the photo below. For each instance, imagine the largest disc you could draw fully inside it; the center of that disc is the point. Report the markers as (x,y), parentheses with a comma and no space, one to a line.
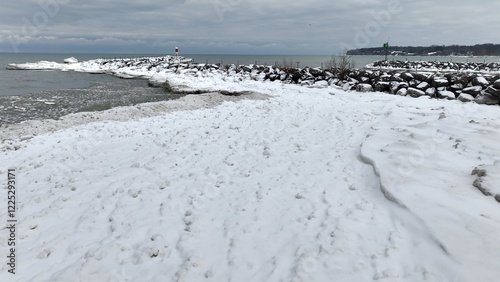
(466,87)
(437,81)
(437,66)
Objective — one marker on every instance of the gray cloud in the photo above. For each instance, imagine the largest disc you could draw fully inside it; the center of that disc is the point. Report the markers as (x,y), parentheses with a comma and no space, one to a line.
(241,26)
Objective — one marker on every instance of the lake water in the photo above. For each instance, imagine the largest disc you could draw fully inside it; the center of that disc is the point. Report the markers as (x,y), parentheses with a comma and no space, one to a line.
(28,94)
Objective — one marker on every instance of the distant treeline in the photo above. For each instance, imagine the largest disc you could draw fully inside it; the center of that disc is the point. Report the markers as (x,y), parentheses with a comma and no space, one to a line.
(434,50)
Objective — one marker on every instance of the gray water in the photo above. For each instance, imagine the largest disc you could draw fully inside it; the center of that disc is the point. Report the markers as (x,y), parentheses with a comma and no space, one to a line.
(30,94)
(26,94)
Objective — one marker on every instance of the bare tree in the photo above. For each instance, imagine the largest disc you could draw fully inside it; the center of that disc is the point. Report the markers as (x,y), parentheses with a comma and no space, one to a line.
(341,64)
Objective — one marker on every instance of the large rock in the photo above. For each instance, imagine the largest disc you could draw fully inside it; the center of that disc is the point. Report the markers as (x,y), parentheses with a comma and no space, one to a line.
(420,76)
(413,92)
(493,91)
(414,82)
(333,81)
(320,84)
(465,97)
(496,84)
(295,77)
(493,65)
(456,87)
(446,95)
(480,81)
(487,99)
(397,77)
(423,86)
(349,86)
(402,92)
(363,73)
(315,72)
(385,77)
(382,86)
(364,79)
(395,86)
(406,76)
(458,79)
(440,82)
(364,87)
(431,92)
(473,90)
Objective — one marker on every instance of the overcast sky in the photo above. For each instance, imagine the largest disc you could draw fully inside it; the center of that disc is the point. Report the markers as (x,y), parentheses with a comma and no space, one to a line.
(242,26)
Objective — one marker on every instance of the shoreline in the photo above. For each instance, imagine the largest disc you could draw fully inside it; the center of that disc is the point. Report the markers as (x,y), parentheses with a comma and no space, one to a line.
(15,134)
(442,80)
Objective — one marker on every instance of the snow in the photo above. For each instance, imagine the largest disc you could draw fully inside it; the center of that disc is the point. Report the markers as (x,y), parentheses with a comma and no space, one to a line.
(446,94)
(436,67)
(464,97)
(71,60)
(289,183)
(481,80)
(364,87)
(124,67)
(426,153)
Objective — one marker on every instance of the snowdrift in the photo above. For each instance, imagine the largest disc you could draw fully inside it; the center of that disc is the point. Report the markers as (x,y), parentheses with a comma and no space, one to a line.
(292,184)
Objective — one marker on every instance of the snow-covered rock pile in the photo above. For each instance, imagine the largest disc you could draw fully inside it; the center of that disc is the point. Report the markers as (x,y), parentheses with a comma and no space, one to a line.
(111,66)
(466,87)
(438,66)
(483,89)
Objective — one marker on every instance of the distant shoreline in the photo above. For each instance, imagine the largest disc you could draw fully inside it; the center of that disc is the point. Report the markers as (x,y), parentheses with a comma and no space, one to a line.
(478,50)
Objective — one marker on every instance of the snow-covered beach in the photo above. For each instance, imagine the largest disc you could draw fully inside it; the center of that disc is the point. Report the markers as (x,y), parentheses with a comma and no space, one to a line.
(282,183)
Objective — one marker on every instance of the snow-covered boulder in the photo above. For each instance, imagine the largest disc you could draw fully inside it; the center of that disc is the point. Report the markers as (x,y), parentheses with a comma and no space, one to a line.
(406,76)
(487,99)
(413,92)
(456,87)
(320,84)
(364,87)
(473,90)
(496,84)
(421,76)
(446,95)
(348,86)
(431,92)
(440,82)
(480,81)
(402,92)
(364,79)
(382,86)
(493,91)
(395,86)
(423,86)
(414,82)
(464,97)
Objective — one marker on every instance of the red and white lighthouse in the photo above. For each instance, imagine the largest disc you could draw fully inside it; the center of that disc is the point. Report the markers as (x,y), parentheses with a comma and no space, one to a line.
(176,51)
